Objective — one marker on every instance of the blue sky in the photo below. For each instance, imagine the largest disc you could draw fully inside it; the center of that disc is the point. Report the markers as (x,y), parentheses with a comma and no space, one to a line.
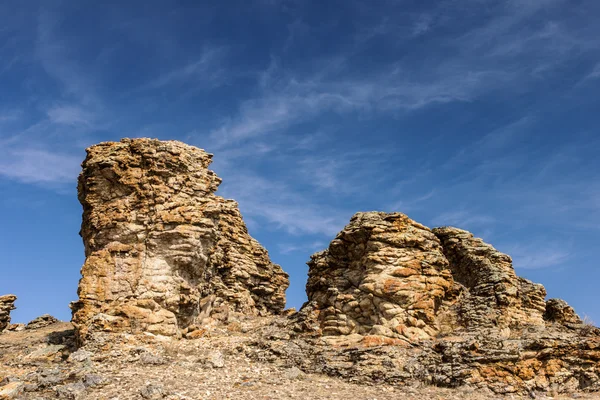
(482,114)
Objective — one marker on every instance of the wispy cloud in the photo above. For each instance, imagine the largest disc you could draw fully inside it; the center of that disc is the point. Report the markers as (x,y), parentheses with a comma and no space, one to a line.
(422,25)
(207,69)
(463,219)
(533,256)
(39,166)
(70,115)
(282,206)
(288,248)
(55,56)
(595,73)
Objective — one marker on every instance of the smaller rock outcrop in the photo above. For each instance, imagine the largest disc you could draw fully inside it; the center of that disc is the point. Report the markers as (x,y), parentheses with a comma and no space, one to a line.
(383,274)
(41,322)
(7,304)
(557,310)
(493,295)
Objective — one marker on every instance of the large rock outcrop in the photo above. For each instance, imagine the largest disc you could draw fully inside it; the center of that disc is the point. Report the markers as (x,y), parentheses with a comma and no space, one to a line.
(6,306)
(163,252)
(385,274)
(450,303)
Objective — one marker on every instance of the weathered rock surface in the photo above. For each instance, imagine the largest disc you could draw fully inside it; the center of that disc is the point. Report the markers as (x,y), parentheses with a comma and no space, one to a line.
(260,361)
(493,295)
(163,252)
(395,301)
(557,310)
(41,321)
(383,274)
(7,304)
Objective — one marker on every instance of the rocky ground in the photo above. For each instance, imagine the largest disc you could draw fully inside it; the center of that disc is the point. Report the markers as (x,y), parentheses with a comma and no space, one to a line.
(226,362)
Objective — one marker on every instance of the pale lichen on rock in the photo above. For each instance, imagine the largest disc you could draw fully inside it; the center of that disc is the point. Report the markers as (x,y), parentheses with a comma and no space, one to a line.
(163,252)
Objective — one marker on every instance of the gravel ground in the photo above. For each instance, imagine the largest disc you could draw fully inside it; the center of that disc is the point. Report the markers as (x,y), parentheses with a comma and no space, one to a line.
(44,364)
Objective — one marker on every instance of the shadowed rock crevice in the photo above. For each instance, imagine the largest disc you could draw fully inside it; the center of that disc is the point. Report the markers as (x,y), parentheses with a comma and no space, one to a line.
(496,296)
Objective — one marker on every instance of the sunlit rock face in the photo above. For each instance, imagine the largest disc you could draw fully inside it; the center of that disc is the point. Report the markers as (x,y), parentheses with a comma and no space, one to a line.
(383,274)
(387,275)
(6,306)
(163,252)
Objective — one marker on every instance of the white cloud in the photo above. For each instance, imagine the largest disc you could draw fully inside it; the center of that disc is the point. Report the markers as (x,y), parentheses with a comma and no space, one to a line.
(533,256)
(281,206)
(39,166)
(205,69)
(54,54)
(70,115)
(287,248)
(463,219)
(595,72)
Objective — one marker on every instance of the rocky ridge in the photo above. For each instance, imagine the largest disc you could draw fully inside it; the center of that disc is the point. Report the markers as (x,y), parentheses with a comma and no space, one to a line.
(163,252)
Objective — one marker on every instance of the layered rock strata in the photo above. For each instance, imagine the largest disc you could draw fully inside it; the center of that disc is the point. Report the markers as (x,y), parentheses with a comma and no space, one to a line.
(493,295)
(387,275)
(7,304)
(383,274)
(163,252)
(450,305)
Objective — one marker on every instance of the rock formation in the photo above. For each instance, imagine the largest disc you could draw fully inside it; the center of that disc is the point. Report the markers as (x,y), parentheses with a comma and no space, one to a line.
(6,306)
(494,296)
(453,306)
(383,274)
(163,252)
(41,322)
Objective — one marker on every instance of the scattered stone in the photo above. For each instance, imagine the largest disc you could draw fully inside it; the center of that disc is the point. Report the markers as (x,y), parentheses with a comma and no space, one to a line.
(45,353)
(16,327)
(214,359)
(294,373)
(11,390)
(152,359)
(71,391)
(80,356)
(93,380)
(7,304)
(41,322)
(163,252)
(152,392)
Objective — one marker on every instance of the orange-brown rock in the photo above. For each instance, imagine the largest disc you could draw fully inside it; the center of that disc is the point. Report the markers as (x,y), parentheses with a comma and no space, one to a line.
(163,252)
(455,303)
(383,274)
(7,304)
